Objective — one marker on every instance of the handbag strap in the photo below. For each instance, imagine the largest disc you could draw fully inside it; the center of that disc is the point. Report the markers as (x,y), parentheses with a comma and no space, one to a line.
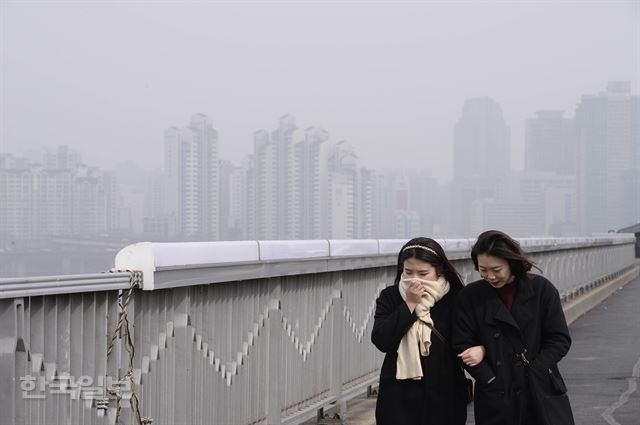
(444,341)
(515,339)
(441,338)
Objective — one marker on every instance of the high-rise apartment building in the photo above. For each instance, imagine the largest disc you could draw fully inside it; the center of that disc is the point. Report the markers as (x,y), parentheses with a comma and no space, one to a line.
(481,141)
(227,221)
(63,198)
(236,200)
(406,221)
(62,158)
(88,208)
(528,204)
(550,144)
(310,185)
(242,210)
(385,202)
(368,204)
(423,200)
(343,185)
(283,141)
(54,199)
(482,158)
(274,181)
(158,219)
(608,144)
(109,186)
(18,196)
(191,167)
(266,187)
(554,199)
(174,138)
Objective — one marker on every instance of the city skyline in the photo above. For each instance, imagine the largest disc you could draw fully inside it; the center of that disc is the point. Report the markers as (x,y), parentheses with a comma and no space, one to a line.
(518,163)
(299,183)
(582,176)
(396,84)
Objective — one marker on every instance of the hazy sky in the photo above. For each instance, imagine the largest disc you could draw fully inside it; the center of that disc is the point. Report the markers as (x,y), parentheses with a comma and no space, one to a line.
(390,77)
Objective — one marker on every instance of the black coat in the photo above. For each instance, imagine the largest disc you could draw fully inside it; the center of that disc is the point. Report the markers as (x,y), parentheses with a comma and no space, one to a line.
(483,319)
(439,398)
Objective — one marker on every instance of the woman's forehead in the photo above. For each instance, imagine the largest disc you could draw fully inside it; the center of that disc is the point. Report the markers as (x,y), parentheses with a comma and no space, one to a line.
(417,263)
(485,260)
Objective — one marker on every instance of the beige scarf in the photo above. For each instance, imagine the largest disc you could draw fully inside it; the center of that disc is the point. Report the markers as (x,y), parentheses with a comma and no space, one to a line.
(417,340)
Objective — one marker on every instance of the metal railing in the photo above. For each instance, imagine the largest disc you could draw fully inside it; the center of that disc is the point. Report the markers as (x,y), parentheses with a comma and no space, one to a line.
(248,332)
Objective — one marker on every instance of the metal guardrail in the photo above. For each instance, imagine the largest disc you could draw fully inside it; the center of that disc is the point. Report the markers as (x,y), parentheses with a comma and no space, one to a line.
(52,285)
(264,336)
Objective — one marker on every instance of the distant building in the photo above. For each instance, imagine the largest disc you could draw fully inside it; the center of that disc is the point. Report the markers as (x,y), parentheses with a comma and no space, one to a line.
(282,140)
(62,158)
(237,213)
(273,181)
(515,218)
(88,207)
(242,211)
(423,200)
(18,192)
(369,204)
(555,200)
(608,160)
(550,144)
(160,227)
(529,204)
(191,168)
(482,158)
(64,197)
(310,185)
(481,141)
(343,187)
(159,218)
(406,221)
(266,187)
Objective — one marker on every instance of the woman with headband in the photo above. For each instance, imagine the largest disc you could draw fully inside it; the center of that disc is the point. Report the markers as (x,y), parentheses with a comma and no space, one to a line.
(421,380)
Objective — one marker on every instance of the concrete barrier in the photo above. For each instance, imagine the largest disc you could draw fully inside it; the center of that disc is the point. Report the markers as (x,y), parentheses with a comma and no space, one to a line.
(579,306)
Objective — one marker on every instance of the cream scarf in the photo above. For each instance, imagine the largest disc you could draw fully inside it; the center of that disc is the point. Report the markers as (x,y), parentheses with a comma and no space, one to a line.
(417,340)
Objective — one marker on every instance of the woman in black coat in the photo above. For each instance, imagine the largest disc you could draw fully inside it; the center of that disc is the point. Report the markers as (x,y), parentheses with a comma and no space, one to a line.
(421,380)
(518,319)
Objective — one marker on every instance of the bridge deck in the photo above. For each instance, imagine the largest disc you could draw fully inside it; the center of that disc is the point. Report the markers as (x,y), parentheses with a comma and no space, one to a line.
(602,368)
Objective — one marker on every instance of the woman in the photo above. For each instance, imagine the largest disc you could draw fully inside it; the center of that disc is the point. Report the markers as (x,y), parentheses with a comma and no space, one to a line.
(517,318)
(421,381)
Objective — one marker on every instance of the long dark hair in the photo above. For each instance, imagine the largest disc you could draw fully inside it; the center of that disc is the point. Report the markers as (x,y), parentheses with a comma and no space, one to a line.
(438,259)
(498,244)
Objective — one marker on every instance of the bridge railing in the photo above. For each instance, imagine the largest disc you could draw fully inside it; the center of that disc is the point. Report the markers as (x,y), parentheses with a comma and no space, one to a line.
(248,332)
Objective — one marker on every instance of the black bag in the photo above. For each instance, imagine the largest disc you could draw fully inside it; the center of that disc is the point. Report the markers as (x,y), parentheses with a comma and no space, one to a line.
(468,382)
(549,396)
(548,391)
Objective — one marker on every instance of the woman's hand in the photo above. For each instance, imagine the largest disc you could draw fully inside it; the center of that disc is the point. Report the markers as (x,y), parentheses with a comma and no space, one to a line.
(415,291)
(472,356)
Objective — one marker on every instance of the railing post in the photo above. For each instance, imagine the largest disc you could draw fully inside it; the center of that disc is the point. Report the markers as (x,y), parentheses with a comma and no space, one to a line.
(183,343)
(274,362)
(21,359)
(337,325)
(112,363)
(8,344)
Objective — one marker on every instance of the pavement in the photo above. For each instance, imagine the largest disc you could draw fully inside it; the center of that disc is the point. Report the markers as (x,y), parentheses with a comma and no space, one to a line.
(602,369)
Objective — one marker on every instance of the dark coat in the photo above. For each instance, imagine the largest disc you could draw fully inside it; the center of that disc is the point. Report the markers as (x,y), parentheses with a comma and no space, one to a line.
(439,398)
(481,318)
